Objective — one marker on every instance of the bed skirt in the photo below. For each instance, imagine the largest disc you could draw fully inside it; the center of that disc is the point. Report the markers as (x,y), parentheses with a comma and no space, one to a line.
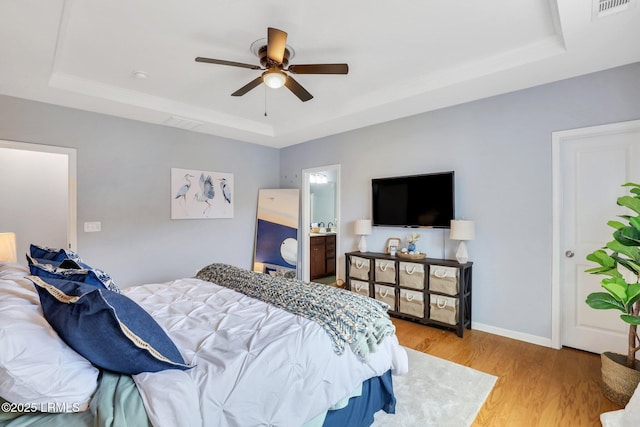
(377,394)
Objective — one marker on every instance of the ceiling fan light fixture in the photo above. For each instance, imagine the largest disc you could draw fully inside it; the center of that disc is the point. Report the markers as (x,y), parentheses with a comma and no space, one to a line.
(274,78)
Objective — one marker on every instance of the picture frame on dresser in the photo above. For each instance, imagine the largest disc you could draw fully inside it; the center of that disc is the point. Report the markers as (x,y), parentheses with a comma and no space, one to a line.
(393,243)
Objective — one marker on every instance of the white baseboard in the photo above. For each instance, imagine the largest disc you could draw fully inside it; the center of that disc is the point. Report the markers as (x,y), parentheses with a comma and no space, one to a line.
(533,339)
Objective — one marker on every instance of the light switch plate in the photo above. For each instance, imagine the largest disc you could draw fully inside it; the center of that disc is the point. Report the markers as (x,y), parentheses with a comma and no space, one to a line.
(92,226)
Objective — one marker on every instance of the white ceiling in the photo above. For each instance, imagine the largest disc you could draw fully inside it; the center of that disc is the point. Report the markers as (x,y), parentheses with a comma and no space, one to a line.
(405,57)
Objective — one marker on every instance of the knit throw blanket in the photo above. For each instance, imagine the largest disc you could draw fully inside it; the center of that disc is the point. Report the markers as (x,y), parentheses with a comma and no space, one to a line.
(348,318)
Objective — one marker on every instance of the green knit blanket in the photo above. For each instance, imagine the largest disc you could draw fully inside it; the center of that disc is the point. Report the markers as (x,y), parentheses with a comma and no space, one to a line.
(347,317)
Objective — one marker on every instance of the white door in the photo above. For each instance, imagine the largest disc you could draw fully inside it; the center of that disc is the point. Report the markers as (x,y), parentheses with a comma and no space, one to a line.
(593,165)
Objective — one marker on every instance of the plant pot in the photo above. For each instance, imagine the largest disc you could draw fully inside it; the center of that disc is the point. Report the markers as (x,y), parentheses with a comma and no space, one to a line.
(619,382)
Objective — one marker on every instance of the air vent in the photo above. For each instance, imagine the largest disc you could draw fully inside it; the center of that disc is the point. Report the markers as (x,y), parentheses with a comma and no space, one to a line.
(182,123)
(603,8)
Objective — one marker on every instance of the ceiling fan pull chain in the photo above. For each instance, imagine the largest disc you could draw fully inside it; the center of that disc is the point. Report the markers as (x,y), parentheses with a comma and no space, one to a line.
(265,101)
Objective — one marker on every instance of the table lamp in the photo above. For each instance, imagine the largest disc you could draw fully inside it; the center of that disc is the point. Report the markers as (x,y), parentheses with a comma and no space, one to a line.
(462,229)
(8,247)
(363,228)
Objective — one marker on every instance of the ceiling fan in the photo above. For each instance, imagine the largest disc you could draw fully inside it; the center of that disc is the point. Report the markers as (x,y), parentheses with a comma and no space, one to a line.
(274,59)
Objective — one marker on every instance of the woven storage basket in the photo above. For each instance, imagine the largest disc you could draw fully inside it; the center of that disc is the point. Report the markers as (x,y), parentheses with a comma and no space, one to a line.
(360,287)
(385,271)
(359,268)
(411,275)
(619,382)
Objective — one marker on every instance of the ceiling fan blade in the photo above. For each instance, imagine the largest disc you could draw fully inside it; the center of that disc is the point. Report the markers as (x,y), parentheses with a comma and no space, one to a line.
(319,69)
(246,88)
(297,89)
(231,63)
(276,43)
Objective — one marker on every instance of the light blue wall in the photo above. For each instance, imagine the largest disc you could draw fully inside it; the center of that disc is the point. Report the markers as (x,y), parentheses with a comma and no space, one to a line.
(500,150)
(124,182)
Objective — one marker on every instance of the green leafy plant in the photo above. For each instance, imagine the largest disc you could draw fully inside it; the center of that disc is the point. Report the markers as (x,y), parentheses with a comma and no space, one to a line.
(621,254)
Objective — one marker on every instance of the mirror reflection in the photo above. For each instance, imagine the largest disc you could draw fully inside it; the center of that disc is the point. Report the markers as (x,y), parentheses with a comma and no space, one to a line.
(276,248)
(323,226)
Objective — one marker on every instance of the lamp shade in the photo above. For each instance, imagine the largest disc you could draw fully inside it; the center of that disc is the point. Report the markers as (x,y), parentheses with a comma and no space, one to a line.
(462,229)
(363,227)
(8,247)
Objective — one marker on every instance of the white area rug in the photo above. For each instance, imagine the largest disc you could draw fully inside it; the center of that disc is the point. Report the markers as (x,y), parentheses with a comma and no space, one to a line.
(436,392)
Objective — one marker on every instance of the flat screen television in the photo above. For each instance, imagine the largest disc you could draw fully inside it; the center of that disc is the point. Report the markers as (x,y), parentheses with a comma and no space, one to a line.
(414,201)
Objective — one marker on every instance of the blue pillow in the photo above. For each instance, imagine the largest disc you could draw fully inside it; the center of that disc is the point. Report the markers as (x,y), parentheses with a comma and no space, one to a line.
(67,263)
(107,328)
(51,254)
(91,276)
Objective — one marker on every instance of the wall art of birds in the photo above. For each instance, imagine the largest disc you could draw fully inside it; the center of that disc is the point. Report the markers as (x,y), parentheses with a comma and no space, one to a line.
(182,192)
(206,191)
(226,191)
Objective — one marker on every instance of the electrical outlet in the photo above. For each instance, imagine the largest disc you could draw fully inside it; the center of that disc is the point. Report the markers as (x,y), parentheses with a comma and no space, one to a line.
(92,227)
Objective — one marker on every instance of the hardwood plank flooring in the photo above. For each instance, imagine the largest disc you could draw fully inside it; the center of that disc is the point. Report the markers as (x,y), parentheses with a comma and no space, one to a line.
(536,386)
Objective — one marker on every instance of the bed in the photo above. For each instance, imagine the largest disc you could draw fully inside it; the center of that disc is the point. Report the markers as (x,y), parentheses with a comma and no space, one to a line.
(246,354)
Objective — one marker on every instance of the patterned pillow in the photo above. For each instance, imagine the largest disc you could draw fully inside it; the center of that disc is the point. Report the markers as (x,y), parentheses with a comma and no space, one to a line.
(109,329)
(51,254)
(65,259)
(91,276)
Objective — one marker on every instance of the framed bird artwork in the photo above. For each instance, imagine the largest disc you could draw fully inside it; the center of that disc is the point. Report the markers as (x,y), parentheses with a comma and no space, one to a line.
(197,194)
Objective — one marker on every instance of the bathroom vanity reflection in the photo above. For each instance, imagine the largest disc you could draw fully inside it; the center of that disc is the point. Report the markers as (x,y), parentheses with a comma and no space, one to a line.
(323,218)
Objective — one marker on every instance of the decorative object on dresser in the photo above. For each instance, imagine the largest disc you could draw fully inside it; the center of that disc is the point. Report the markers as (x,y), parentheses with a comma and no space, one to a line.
(8,247)
(430,291)
(462,229)
(411,241)
(362,228)
(393,245)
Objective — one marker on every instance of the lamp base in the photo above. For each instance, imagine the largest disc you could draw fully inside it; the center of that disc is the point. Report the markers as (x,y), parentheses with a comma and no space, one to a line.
(461,254)
(362,246)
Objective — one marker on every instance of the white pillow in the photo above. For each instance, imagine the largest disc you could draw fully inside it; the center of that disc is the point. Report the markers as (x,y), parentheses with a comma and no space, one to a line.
(36,366)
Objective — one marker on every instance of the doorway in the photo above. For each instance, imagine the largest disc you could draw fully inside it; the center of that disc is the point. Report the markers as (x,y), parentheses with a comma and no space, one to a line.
(39,190)
(589,167)
(320,230)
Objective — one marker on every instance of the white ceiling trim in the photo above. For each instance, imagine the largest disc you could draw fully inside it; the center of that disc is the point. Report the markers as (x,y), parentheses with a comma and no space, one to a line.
(171,107)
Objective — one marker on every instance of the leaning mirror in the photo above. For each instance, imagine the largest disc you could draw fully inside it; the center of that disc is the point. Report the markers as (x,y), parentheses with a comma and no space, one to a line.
(276,247)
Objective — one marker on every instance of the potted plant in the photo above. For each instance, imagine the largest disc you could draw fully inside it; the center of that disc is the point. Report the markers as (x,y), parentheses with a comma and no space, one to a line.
(619,260)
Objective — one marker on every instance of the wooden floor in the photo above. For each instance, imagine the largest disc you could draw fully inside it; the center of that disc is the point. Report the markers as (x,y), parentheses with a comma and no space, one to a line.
(536,386)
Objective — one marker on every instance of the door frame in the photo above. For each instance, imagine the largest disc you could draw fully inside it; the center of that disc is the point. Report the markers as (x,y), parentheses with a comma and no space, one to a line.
(305,231)
(72,234)
(557,138)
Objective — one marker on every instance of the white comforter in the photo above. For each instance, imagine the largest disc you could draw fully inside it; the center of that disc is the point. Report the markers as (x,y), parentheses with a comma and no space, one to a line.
(256,365)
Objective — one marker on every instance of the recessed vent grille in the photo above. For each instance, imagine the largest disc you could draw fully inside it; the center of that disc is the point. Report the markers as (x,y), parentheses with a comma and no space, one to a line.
(182,123)
(609,7)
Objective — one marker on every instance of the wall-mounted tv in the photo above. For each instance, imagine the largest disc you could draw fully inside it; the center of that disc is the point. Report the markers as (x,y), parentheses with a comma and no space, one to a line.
(414,201)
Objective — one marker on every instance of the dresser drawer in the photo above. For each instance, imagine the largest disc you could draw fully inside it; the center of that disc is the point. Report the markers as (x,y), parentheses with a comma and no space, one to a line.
(360,287)
(444,279)
(359,268)
(412,275)
(443,309)
(386,294)
(385,271)
(411,302)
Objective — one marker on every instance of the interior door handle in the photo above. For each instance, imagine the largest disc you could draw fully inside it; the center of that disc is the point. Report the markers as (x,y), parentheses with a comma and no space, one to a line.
(569,254)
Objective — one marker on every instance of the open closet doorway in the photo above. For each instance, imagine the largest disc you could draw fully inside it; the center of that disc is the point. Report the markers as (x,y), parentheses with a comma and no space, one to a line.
(38,190)
(320,230)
